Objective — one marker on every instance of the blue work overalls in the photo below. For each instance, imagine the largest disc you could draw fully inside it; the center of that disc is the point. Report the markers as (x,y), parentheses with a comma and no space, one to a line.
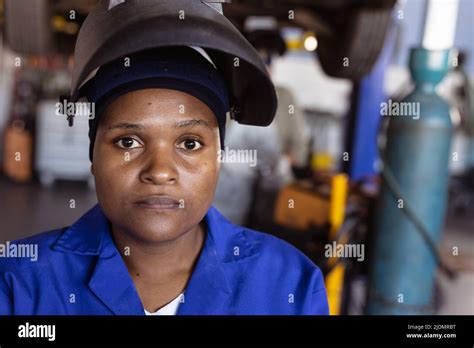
(79,271)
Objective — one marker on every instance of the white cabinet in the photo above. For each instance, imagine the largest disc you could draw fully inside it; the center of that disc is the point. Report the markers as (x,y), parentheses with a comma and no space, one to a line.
(62,152)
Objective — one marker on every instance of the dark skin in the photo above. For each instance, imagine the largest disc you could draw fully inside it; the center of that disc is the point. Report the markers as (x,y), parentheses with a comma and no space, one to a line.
(157,143)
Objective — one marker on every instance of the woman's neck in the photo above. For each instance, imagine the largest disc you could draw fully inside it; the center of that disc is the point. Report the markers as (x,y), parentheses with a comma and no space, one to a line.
(160,272)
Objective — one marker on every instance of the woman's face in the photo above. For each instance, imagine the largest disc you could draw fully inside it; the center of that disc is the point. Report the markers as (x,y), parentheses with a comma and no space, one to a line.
(155,163)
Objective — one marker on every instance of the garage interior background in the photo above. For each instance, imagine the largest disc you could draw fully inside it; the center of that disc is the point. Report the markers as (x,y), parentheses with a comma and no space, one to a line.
(338,185)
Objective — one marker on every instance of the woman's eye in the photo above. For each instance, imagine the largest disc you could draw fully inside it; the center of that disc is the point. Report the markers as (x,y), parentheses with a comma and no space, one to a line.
(128,143)
(190,144)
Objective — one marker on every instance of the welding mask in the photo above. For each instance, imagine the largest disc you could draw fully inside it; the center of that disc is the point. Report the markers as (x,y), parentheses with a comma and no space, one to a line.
(117,28)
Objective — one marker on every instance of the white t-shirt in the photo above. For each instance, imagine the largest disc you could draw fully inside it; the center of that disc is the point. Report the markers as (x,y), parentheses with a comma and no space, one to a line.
(169,309)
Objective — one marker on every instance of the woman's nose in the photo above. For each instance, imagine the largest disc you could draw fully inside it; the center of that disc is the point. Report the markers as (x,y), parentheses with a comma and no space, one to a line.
(160,168)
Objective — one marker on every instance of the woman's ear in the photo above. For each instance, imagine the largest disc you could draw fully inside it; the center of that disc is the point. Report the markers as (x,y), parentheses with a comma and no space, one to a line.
(92,168)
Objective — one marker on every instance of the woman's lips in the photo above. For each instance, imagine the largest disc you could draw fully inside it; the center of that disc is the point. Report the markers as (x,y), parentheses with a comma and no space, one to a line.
(158,203)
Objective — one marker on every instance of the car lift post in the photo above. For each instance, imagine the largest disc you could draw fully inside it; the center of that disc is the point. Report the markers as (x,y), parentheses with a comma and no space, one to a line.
(337,212)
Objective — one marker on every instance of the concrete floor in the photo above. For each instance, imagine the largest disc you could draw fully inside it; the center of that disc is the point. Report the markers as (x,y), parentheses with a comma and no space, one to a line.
(29,209)
(457,295)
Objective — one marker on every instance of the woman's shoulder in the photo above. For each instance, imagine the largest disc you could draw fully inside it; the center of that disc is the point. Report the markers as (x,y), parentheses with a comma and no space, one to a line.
(274,264)
(28,252)
(238,243)
(274,249)
(251,255)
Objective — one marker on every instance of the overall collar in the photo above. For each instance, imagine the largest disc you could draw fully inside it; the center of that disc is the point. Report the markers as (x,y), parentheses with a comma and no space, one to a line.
(207,290)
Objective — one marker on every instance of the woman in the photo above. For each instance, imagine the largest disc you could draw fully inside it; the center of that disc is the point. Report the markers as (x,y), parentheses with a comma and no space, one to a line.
(154,244)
